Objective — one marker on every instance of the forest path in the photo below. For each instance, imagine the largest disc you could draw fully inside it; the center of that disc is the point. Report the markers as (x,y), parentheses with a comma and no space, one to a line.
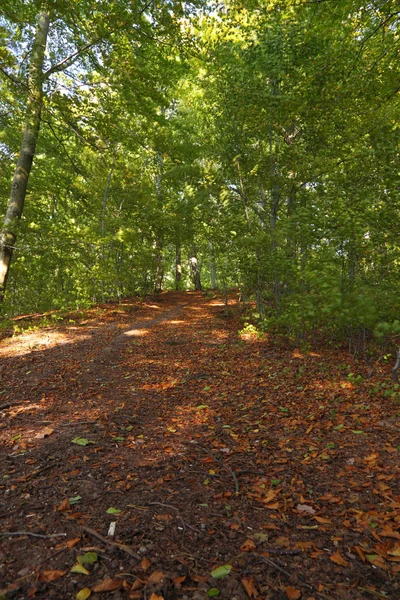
(211,447)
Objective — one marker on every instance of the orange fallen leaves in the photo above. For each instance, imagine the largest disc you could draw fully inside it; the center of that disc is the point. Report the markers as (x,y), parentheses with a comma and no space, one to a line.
(248,546)
(338,559)
(292,593)
(51,575)
(250,587)
(108,585)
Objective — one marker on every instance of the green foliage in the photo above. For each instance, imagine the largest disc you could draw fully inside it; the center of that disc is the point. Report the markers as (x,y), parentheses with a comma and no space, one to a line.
(262,138)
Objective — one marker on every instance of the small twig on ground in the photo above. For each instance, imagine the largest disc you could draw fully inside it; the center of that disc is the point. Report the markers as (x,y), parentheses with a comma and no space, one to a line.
(38,535)
(121,547)
(220,462)
(178,514)
(78,423)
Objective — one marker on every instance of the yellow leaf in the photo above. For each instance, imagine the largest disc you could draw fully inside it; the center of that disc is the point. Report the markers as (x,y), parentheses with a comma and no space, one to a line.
(395,551)
(83,594)
(79,569)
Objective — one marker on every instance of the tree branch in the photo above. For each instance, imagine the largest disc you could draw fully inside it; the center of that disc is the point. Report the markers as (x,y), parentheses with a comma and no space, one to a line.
(69,60)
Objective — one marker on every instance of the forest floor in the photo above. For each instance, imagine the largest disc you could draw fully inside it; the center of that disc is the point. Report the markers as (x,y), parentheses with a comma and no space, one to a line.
(206,450)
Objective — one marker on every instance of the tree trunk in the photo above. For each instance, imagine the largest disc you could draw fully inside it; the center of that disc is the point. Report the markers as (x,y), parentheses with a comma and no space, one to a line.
(30,136)
(159,275)
(213,268)
(178,267)
(194,267)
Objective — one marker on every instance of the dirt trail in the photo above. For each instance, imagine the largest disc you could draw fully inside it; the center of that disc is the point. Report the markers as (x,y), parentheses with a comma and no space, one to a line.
(216,448)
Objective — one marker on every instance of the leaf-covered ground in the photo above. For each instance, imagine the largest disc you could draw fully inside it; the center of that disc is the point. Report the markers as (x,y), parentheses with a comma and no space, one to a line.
(205,450)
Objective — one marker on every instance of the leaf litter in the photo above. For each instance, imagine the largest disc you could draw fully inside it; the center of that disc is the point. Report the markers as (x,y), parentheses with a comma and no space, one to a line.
(302,466)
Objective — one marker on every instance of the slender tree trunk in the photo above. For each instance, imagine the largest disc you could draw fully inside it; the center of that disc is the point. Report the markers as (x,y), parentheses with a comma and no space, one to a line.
(213,268)
(103,218)
(178,267)
(194,267)
(30,136)
(159,276)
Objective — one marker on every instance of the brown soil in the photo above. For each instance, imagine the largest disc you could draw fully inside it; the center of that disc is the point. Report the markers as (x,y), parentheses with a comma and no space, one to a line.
(216,448)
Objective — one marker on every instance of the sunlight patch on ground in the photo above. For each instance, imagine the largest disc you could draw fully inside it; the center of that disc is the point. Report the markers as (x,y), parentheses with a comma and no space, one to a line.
(34,341)
(136,332)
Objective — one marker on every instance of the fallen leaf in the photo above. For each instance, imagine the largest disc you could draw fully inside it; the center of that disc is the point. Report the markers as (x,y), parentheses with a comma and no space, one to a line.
(108,585)
(323,520)
(376,560)
(74,500)
(80,441)
(156,577)
(64,506)
(72,543)
(220,572)
(79,569)
(248,546)
(44,433)
(292,593)
(305,508)
(83,594)
(338,559)
(87,559)
(52,575)
(156,597)
(250,587)
(145,564)
(395,551)
(113,511)
(388,532)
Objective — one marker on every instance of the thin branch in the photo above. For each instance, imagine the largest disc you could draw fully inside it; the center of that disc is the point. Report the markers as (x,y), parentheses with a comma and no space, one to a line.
(11,78)
(121,547)
(64,148)
(220,462)
(38,535)
(69,60)
(177,512)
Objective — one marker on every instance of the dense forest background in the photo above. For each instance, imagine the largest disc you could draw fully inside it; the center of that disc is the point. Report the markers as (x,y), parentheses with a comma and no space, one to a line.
(227,144)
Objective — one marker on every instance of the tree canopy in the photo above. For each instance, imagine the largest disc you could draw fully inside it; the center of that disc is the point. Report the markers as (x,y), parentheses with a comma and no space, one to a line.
(224,144)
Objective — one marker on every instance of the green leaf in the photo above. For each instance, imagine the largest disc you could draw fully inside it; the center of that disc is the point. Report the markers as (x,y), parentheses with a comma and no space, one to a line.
(201,407)
(275,481)
(337,427)
(119,438)
(79,569)
(87,559)
(358,431)
(80,441)
(74,499)
(220,572)
(213,592)
(113,511)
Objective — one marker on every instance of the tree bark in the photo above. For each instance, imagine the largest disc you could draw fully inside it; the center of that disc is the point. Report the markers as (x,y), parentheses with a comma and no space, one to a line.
(178,267)
(213,268)
(30,136)
(194,267)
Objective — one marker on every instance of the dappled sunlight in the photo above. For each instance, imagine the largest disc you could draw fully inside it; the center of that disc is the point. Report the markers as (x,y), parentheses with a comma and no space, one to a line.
(34,341)
(135,332)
